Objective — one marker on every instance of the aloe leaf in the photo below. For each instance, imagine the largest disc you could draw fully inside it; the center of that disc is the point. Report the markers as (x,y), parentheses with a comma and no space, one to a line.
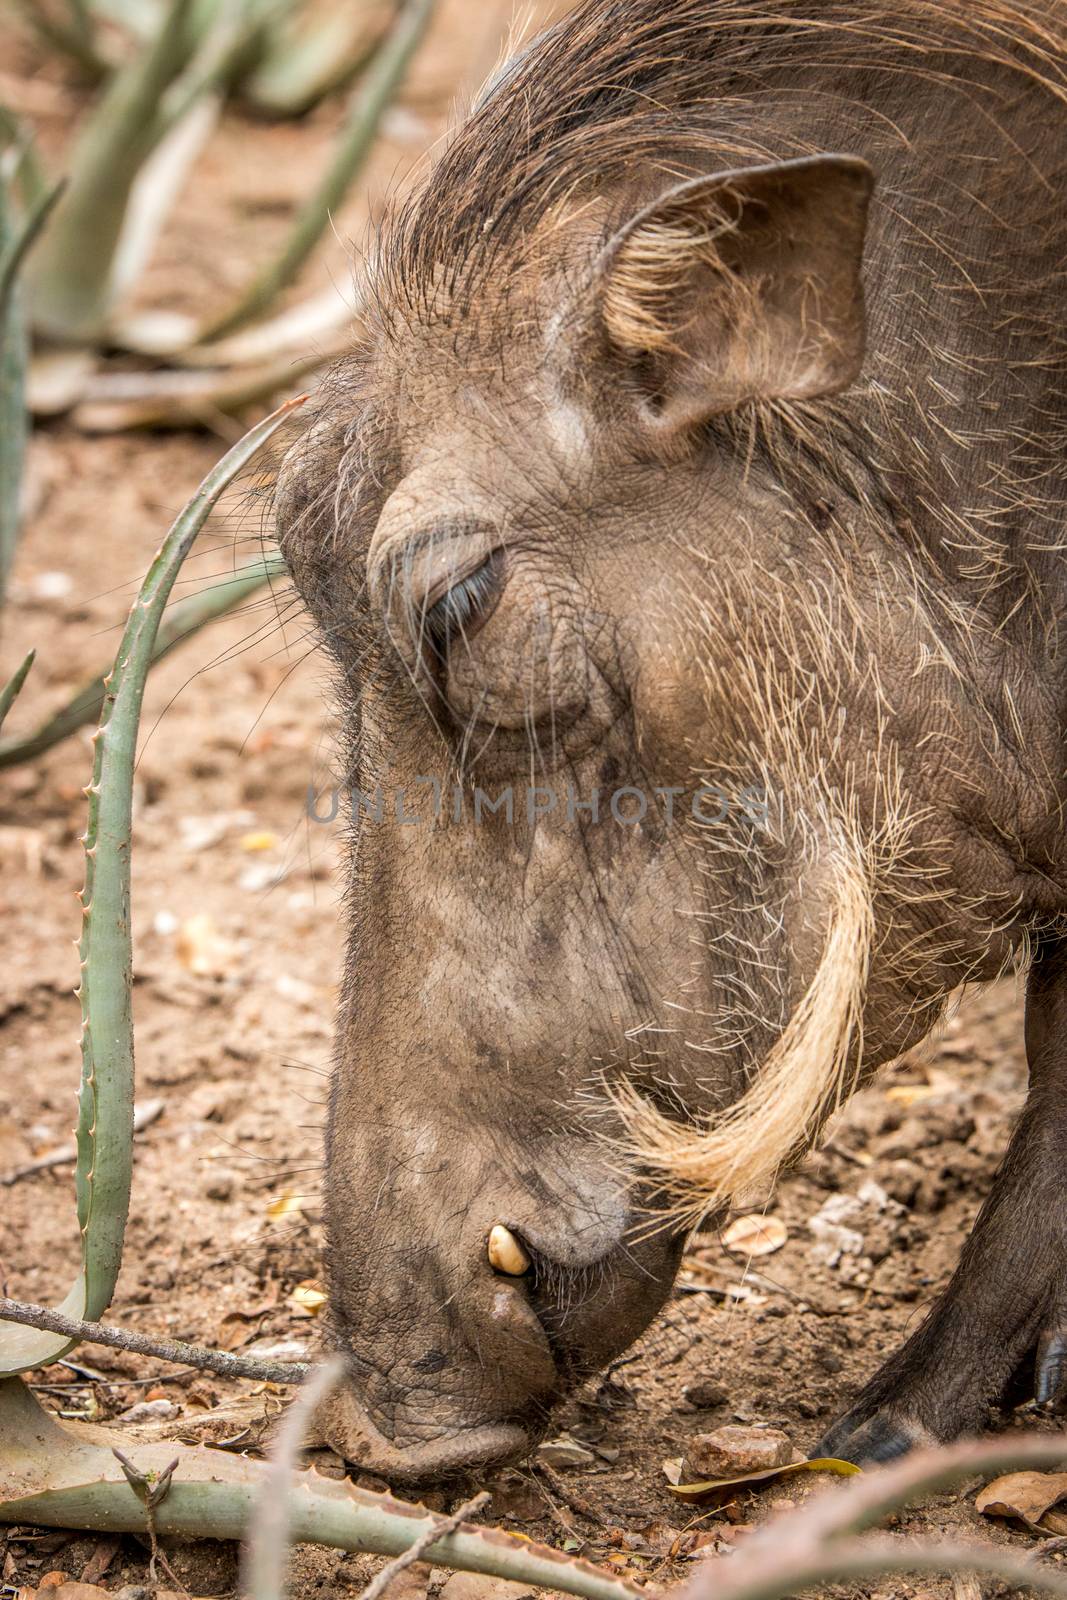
(156,188)
(16,240)
(16,237)
(71,268)
(235,35)
(51,1478)
(295,330)
(75,38)
(139,18)
(116,402)
(300,68)
(104,1135)
(29,178)
(9,693)
(365,112)
(181,621)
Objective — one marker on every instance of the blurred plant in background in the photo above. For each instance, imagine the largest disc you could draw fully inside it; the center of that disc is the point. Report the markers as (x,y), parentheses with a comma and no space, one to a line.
(74,249)
(162,71)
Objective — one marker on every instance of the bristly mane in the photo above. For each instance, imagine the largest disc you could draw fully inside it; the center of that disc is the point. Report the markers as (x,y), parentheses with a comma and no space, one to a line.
(618,86)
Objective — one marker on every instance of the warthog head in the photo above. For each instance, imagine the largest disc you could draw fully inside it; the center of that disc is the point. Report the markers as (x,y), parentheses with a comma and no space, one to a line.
(653,724)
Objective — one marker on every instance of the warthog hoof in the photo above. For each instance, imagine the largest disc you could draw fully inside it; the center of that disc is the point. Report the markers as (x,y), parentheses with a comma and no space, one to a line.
(866,1439)
(1005,1310)
(1050,1384)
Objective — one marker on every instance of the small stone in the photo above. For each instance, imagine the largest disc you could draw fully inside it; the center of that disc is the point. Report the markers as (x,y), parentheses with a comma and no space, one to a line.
(705,1393)
(733,1450)
(50,586)
(150,1411)
(220,1187)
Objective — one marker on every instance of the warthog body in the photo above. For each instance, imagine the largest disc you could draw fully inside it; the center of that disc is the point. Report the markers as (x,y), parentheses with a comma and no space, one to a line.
(625,492)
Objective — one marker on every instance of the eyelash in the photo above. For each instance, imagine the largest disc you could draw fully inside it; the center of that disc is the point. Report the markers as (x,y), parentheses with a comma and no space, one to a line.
(458,607)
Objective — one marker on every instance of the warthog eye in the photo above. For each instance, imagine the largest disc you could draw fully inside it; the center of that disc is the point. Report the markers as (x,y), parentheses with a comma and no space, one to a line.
(463,608)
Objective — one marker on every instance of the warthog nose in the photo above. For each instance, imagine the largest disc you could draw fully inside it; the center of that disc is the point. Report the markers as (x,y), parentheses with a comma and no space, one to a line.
(506,1254)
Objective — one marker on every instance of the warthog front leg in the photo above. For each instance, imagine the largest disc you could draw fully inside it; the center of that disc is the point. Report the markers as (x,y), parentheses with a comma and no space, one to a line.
(1008,1295)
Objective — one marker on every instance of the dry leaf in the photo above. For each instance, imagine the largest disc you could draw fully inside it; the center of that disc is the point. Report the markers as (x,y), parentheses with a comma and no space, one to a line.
(103,1555)
(714,1487)
(910,1094)
(755,1235)
(702,1273)
(261,840)
(285,1205)
(24,846)
(203,950)
(308,1298)
(1025,1495)
(234,1330)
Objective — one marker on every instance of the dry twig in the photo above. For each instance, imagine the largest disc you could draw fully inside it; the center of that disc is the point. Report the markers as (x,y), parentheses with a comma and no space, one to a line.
(176,1350)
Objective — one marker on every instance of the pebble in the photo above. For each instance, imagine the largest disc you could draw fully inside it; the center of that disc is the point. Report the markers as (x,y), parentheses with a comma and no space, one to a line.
(735,1449)
(705,1393)
(150,1411)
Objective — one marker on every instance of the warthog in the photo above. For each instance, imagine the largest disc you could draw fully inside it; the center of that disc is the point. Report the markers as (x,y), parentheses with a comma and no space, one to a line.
(627,504)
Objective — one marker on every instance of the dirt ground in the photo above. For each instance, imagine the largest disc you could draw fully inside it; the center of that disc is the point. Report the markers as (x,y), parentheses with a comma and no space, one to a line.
(236,963)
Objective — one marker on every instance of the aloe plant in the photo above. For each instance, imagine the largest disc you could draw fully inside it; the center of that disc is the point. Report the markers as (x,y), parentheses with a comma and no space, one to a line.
(17,233)
(104,1134)
(305,61)
(98,242)
(51,1478)
(71,269)
(154,114)
(10,690)
(74,35)
(365,112)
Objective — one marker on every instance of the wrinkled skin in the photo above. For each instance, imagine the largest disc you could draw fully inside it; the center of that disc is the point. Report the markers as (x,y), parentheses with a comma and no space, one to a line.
(673,586)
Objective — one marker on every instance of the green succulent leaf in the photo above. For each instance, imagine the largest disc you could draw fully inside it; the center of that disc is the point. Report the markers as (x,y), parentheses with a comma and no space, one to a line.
(17,234)
(366,109)
(9,693)
(182,620)
(52,1478)
(104,1135)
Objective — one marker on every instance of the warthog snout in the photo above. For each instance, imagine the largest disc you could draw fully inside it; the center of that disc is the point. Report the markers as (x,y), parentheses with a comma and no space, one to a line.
(463,1341)
(462,1338)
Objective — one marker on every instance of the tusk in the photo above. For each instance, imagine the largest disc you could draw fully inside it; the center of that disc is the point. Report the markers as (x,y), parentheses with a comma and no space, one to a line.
(506,1254)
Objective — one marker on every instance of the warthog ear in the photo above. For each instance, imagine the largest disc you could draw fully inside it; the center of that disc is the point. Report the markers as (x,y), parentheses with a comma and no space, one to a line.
(740,286)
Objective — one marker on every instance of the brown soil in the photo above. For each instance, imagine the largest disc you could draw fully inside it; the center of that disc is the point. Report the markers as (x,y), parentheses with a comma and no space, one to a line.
(237,949)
